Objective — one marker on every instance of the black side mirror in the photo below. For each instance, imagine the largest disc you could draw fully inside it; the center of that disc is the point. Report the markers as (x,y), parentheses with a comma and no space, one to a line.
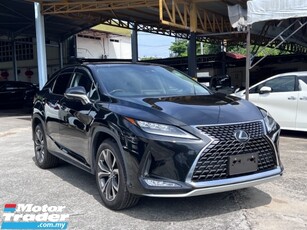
(77,93)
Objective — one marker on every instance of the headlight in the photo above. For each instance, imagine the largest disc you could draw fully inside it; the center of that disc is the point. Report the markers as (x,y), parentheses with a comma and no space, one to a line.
(269,121)
(161,129)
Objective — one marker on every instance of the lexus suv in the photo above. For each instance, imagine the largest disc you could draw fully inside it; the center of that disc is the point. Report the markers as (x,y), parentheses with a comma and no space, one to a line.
(150,130)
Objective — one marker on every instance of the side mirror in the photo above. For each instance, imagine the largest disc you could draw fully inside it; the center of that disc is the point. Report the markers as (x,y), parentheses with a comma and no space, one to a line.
(77,93)
(265,89)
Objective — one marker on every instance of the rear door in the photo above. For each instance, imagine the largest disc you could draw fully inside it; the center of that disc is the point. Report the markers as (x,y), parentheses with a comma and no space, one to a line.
(301,119)
(5,94)
(282,102)
(52,106)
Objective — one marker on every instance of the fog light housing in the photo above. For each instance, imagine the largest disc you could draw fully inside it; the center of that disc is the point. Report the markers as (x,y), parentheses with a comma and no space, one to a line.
(160,183)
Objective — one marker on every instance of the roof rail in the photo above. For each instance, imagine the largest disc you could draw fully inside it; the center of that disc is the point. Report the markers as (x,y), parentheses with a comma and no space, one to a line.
(89,60)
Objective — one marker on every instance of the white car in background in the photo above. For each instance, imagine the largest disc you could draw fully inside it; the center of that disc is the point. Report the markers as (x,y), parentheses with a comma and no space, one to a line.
(284,96)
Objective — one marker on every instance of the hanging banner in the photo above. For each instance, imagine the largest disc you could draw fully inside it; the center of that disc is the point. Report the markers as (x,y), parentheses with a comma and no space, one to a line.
(265,10)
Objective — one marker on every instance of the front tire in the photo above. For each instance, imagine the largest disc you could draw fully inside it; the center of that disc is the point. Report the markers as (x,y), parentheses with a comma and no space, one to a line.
(43,158)
(111,178)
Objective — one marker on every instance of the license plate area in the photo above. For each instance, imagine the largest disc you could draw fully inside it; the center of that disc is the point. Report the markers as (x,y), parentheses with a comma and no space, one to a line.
(242,163)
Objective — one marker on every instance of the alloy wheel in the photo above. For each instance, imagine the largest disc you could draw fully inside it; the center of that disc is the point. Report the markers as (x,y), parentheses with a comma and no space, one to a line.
(39,145)
(108,174)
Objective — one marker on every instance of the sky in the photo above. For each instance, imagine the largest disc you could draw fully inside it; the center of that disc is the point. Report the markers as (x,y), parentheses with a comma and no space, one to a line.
(153,45)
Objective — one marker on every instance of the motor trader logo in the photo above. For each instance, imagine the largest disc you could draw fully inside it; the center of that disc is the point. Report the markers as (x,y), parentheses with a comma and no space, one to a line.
(29,216)
(241,136)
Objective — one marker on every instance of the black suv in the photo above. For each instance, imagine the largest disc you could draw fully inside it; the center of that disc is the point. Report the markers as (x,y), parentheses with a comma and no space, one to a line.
(150,130)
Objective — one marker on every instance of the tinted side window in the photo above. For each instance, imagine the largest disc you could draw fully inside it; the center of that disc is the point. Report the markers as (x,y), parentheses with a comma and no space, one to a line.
(303,78)
(61,83)
(2,86)
(22,85)
(282,84)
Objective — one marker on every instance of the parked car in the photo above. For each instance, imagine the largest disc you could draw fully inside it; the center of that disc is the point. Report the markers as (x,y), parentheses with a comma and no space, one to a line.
(284,96)
(221,84)
(17,94)
(150,130)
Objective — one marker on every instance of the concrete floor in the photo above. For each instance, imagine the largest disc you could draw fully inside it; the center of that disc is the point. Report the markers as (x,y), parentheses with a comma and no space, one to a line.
(281,204)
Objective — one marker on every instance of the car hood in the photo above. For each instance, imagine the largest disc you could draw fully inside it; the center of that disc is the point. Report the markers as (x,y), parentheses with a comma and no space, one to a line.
(189,110)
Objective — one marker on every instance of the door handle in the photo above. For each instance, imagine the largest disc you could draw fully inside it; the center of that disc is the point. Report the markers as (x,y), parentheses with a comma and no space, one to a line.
(292,98)
(303,98)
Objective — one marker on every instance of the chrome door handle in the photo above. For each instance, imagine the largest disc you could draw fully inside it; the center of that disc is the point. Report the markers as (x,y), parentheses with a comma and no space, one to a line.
(303,98)
(292,98)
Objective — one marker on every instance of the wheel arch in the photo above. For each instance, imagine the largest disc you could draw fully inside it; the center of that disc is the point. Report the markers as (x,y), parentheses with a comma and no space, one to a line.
(37,119)
(99,135)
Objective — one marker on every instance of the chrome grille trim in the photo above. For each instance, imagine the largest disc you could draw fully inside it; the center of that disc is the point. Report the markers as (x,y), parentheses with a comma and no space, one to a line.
(257,130)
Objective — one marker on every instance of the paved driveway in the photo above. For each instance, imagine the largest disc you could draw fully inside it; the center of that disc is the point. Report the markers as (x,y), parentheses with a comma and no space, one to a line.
(281,204)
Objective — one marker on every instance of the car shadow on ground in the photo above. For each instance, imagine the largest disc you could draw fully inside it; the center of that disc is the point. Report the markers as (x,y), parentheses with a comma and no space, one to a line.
(171,209)
(192,208)
(12,112)
(294,134)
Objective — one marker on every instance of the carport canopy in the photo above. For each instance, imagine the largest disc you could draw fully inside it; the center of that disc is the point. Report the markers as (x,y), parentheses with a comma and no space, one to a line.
(259,11)
(205,20)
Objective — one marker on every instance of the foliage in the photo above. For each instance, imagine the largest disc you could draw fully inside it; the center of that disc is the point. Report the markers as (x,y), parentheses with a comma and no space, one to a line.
(147,58)
(180,49)
(261,52)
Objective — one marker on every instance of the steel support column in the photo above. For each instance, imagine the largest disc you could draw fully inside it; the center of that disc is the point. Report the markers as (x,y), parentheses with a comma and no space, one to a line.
(15,60)
(192,66)
(134,43)
(192,61)
(248,62)
(61,54)
(41,45)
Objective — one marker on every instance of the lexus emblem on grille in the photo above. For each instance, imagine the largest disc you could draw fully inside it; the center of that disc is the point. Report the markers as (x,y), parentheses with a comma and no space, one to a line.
(241,136)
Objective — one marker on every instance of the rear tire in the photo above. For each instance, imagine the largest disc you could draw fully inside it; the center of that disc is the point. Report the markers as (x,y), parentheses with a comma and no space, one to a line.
(43,158)
(111,178)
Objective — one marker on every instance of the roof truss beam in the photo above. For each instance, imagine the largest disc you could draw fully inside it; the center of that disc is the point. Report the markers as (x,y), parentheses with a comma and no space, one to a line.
(187,15)
(64,7)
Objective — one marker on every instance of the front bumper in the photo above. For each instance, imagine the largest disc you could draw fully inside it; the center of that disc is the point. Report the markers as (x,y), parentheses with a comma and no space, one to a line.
(224,185)
(172,166)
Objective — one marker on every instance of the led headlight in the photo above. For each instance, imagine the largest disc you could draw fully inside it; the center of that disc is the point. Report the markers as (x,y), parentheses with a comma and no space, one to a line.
(269,121)
(162,129)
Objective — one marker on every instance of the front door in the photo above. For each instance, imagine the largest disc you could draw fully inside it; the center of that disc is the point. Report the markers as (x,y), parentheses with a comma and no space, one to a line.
(282,102)
(77,117)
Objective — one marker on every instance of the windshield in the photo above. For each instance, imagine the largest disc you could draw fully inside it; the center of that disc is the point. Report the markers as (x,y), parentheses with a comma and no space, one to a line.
(128,80)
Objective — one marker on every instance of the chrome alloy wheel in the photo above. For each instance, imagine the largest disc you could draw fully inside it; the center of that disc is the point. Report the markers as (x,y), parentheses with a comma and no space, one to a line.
(39,145)
(108,174)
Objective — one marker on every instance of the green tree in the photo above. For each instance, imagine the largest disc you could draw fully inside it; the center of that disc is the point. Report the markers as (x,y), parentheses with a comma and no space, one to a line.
(209,48)
(148,58)
(261,52)
(179,48)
